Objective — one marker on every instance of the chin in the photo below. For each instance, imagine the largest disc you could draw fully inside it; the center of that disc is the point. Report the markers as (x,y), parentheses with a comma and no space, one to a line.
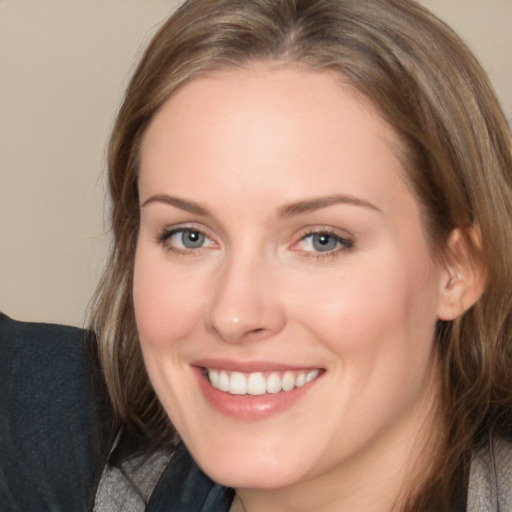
(244,476)
(250,467)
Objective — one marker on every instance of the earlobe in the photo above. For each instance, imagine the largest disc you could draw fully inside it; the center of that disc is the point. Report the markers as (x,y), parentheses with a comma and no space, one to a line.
(463,280)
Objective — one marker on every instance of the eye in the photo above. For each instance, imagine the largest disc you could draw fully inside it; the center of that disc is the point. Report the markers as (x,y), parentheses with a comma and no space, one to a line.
(324,242)
(185,239)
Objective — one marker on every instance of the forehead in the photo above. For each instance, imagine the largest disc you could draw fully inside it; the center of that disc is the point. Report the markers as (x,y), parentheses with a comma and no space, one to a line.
(293,93)
(287,130)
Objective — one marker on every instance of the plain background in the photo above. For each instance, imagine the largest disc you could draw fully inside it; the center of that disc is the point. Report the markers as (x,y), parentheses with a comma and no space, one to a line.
(64,67)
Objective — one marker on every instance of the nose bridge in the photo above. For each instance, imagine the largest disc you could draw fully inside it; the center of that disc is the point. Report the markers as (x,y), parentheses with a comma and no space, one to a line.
(245,302)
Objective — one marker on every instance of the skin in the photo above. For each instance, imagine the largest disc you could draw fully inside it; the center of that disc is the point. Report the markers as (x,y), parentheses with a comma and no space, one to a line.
(244,144)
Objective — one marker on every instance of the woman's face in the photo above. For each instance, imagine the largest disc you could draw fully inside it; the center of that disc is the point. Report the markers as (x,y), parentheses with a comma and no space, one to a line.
(285,294)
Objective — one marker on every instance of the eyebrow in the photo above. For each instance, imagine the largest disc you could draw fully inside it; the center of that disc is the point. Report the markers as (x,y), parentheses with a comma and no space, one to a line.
(316,203)
(289,210)
(182,204)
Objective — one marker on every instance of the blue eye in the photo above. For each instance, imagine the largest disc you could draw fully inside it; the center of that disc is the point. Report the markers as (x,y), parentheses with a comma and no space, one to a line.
(185,239)
(191,239)
(324,242)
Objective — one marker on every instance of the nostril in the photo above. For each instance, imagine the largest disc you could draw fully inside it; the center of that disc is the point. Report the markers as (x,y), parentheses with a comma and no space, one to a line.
(258,330)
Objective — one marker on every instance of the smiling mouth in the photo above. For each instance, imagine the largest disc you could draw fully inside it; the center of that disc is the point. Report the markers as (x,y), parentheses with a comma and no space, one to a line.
(259,383)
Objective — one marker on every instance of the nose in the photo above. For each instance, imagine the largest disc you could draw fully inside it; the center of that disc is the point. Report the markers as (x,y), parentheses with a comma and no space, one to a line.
(246,303)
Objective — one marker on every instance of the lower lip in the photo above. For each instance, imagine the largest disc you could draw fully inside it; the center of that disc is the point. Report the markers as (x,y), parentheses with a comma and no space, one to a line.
(248,407)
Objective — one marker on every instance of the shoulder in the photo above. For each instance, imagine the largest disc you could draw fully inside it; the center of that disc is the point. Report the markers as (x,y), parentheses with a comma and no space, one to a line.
(54,417)
(490,485)
(167,480)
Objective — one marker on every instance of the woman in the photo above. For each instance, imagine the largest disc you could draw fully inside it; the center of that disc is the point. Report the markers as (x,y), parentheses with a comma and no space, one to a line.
(310,283)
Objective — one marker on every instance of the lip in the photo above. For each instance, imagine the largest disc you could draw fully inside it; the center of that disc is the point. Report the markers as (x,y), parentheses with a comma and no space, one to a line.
(247,407)
(249,366)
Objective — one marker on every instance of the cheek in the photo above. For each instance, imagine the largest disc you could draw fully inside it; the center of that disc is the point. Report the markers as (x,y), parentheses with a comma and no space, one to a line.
(390,305)
(166,303)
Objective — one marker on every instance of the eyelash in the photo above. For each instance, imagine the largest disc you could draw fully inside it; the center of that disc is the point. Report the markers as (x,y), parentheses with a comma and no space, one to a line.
(165,236)
(343,244)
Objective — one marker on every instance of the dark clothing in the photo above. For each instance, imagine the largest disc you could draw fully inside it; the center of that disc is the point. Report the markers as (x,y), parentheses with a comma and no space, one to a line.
(183,487)
(55,429)
(53,418)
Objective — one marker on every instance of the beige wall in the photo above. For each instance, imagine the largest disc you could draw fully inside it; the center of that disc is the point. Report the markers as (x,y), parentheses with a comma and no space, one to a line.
(64,65)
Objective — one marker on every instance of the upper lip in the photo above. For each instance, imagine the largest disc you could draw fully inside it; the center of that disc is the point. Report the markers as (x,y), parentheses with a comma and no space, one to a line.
(249,366)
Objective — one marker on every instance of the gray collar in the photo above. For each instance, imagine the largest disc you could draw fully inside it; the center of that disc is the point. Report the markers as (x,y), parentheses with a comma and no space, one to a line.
(490,481)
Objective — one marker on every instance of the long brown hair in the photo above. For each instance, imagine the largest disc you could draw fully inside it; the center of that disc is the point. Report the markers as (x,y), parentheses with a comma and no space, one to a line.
(456,154)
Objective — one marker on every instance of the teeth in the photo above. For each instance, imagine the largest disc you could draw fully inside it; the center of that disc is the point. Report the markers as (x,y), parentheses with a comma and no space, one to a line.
(300,380)
(274,383)
(223,381)
(256,384)
(313,374)
(214,378)
(237,383)
(288,381)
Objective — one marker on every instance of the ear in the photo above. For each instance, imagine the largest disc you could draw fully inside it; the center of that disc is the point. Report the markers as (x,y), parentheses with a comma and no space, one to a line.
(463,278)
